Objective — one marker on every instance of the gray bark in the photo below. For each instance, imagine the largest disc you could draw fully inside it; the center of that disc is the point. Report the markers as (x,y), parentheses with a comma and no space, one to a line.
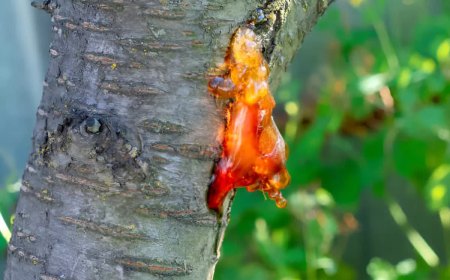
(126,137)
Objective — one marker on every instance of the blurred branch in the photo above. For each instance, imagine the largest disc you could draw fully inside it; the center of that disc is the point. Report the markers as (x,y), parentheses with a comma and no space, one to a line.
(444,215)
(386,45)
(414,237)
(311,256)
(4,230)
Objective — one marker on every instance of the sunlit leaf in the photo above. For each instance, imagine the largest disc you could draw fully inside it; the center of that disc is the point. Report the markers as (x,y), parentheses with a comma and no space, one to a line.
(438,188)
(379,269)
(443,51)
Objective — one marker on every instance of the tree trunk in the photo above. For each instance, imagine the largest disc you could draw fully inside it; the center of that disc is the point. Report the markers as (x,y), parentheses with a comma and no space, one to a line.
(126,137)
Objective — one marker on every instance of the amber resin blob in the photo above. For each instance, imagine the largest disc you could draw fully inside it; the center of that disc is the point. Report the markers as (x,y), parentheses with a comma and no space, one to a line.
(254,152)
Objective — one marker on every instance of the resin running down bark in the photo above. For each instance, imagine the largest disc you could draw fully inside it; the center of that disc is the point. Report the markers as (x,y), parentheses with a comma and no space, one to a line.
(254,153)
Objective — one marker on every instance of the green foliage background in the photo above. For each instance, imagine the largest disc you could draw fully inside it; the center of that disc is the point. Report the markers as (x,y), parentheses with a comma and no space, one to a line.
(373,113)
(365,110)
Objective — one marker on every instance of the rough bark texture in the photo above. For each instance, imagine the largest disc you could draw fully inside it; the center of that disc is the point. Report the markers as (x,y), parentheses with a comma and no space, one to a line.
(126,137)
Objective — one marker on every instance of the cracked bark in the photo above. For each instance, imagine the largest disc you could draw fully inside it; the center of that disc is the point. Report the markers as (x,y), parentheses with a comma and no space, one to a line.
(126,136)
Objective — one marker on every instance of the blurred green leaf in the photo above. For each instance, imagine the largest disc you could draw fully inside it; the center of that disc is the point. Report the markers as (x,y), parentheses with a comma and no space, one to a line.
(342,180)
(379,269)
(426,121)
(407,149)
(438,188)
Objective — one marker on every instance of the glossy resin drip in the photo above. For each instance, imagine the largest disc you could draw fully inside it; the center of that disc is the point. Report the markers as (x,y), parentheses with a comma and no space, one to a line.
(254,152)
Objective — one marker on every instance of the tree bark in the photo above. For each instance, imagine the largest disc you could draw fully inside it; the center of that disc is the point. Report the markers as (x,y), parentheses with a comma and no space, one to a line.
(126,137)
